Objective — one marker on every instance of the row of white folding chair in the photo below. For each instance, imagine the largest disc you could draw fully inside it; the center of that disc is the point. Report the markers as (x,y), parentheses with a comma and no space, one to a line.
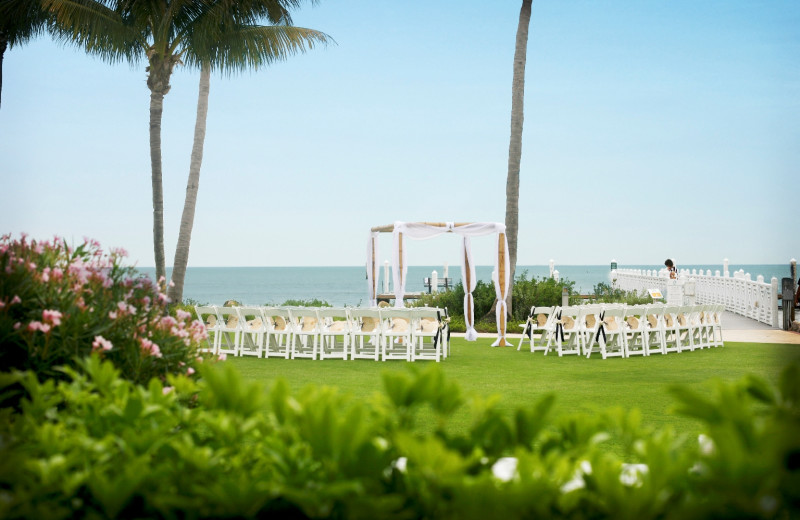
(619,330)
(394,333)
(247,330)
(320,333)
(573,329)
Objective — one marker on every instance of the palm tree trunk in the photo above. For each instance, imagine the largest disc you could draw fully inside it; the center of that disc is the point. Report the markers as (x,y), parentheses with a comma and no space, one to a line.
(156,109)
(515,145)
(187,219)
(159,72)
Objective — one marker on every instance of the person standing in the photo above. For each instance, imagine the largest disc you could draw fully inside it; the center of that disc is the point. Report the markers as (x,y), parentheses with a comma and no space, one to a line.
(673,271)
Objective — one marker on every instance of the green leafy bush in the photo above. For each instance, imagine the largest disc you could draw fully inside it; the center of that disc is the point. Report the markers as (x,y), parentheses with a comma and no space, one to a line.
(525,293)
(605,293)
(542,292)
(59,303)
(98,446)
(314,302)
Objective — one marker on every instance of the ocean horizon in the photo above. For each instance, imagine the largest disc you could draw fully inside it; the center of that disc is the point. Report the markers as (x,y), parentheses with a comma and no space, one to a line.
(347,285)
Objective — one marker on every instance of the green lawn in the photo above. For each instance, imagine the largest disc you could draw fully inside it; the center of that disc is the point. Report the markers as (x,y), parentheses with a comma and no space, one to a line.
(580,384)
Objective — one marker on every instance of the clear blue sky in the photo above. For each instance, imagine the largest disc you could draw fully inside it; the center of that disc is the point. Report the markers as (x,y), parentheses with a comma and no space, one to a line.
(652,129)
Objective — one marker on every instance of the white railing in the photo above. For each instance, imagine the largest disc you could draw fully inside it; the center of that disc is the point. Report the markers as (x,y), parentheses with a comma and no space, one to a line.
(740,294)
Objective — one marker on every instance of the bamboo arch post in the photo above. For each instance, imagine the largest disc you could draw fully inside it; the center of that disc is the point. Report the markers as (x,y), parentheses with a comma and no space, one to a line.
(469,305)
(501,282)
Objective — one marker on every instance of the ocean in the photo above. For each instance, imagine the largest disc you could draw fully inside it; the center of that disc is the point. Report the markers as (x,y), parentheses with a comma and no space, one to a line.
(341,286)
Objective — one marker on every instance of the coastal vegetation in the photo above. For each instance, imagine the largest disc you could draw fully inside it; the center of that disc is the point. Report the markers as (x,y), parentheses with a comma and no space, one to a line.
(108,411)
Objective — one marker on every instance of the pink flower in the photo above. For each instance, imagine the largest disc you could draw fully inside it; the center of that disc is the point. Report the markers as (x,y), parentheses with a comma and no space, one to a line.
(101,343)
(148,347)
(183,315)
(2,304)
(57,273)
(189,371)
(112,315)
(17,325)
(222,357)
(118,251)
(167,390)
(54,317)
(38,325)
(16,299)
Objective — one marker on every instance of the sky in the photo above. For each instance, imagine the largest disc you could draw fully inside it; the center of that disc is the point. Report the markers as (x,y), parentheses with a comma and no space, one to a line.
(652,129)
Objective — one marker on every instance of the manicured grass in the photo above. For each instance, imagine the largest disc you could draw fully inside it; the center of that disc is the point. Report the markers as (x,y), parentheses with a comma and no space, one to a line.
(521,377)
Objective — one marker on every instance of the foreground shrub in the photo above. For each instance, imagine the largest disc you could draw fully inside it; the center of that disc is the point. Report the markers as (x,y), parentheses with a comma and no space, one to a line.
(101,447)
(59,303)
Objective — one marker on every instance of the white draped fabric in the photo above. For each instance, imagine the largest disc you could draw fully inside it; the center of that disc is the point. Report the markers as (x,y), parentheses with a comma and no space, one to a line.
(372,269)
(422,231)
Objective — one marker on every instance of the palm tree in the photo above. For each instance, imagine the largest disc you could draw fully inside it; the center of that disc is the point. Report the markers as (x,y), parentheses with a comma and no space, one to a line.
(515,146)
(167,33)
(232,36)
(20,21)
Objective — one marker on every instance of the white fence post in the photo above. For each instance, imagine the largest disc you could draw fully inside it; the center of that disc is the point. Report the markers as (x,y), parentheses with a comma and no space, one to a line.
(774,292)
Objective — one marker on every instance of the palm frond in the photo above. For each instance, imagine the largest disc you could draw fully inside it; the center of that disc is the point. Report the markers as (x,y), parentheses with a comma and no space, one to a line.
(21,20)
(252,46)
(98,28)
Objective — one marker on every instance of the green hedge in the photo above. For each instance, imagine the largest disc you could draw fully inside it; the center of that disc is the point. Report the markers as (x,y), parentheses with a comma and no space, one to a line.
(98,446)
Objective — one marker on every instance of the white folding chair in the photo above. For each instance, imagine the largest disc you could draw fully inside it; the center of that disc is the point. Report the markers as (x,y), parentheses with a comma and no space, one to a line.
(366,341)
(335,329)
(654,330)
(634,326)
(305,339)
(208,316)
(427,333)
(278,342)
(716,325)
(254,330)
(567,335)
(589,324)
(609,338)
(230,331)
(678,329)
(396,332)
(538,320)
(705,324)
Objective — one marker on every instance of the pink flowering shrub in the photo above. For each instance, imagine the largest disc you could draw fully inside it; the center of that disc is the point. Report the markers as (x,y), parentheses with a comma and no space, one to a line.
(60,303)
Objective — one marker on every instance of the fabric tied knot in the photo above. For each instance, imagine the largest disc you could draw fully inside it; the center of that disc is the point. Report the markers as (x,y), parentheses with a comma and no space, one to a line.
(601,329)
(529,327)
(559,327)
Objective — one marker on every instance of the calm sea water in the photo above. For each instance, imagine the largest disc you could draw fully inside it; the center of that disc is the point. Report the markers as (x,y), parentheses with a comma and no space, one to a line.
(348,285)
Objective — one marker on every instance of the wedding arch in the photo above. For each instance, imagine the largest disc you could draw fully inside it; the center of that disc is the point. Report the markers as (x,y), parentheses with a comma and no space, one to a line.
(426,230)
